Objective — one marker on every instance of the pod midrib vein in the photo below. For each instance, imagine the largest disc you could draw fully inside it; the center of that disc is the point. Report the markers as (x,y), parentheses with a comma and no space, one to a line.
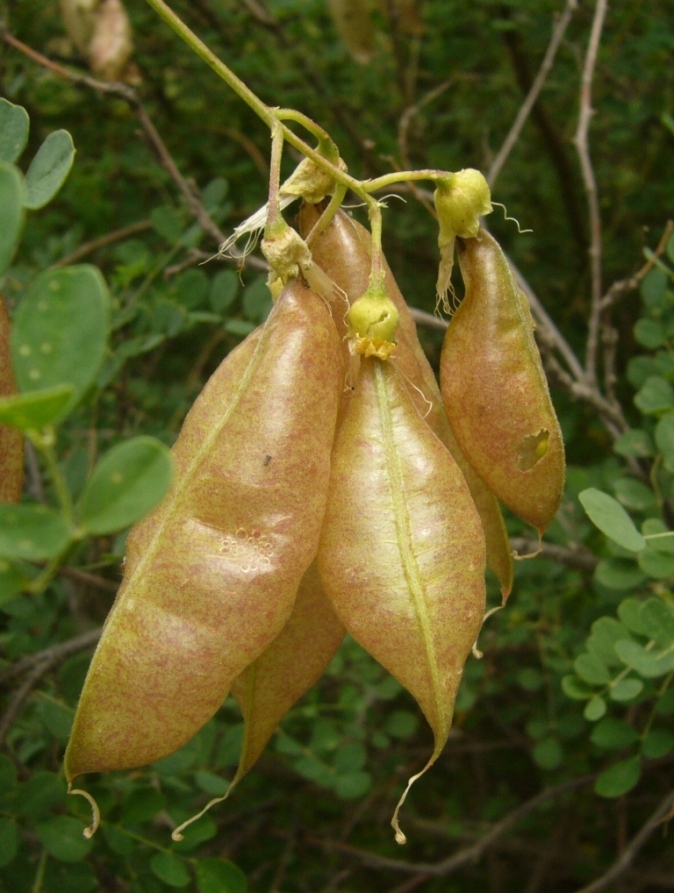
(404,536)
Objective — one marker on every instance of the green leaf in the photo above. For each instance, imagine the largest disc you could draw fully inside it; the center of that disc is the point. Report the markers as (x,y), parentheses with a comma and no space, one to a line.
(57,717)
(350,757)
(12,193)
(60,331)
(168,223)
(652,529)
(351,785)
(653,288)
(619,574)
(239,327)
(626,689)
(171,869)
(8,774)
(31,532)
(592,669)
(613,734)
(224,289)
(49,169)
(664,438)
(257,300)
(619,779)
(657,620)
(594,709)
(212,783)
(575,689)
(62,837)
(605,632)
(219,876)
(656,564)
(629,611)
(611,518)
(127,482)
(35,409)
(11,580)
(634,495)
(548,753)
(649,664)
(658,743)
(649,332)
(655,396)
(635,443)
(14,128)
(401,724)
(9,841)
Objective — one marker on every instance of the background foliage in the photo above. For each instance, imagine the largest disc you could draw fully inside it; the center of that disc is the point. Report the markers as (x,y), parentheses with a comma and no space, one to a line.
(562,749)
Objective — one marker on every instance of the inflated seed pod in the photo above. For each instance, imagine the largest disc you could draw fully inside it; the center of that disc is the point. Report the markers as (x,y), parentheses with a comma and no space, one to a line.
(212,573)
(287,668)
(11,439)
(495,390)
(343,251)
(402,553)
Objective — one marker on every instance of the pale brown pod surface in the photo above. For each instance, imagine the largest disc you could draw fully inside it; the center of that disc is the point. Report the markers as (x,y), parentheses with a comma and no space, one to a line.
(495,390)
(11,439)
(343,251)
(211,575)
(402,553)
(287,668)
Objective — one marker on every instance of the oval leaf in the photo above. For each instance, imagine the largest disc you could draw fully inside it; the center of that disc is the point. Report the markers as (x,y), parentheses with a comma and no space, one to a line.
(219,876)
(610,517)
(62,837)
(49,169)
(127,482)
(35,410)
(657,620)
(60,332)
(12,214)
(31,532)
(14,127)
(619,779)
(171,869)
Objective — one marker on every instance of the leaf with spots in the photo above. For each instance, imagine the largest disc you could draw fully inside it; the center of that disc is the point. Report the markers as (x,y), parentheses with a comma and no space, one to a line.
(127,482)
(49,169)
(60,332)
(31,532)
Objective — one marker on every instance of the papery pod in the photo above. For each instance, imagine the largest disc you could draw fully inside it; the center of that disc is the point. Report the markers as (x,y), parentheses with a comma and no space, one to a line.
(287,668)
(402,553)
(111,46)
(495,390)
(212,573)
(354,25)
(11,439)
(343,251)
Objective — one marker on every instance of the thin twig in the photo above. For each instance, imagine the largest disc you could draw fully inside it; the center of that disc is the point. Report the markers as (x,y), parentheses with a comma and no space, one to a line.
(548,60)
(580,561)
(582,146)
(49,657)
(629,853)
(102,241)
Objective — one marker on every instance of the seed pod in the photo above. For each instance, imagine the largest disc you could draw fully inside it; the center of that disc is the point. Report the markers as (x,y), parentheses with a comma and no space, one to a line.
(294,661)
(402,554)
(343,251)
(11,439)
(495,391)
(211,575)
(354,26)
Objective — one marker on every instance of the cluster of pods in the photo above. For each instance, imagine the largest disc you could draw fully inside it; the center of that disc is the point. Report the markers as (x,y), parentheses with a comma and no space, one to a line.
(325,484)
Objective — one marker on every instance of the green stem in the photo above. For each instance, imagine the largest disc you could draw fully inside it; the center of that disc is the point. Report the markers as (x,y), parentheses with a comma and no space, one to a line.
(657,536)
(326,144)
(322,223)
(376,269)
(44,443)
(402,177)
(266,113)
(274,219)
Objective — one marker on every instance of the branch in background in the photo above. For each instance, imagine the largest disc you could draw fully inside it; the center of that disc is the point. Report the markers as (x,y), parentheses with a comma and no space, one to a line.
(108,239)
(469,854)
(581,561)
(582,146)
(629,853)
(546,66)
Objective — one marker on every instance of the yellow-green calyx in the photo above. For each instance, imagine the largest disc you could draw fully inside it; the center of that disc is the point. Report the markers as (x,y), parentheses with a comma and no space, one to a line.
(286,253)
(460,200)
(311,182)
(373,322)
